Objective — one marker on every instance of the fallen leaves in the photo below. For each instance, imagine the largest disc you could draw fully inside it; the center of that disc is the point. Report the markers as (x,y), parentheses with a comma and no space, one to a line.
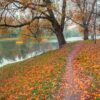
(88,64)
(37,78)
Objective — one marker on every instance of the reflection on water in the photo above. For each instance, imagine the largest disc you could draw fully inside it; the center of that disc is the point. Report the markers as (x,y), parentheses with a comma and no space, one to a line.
(10,52)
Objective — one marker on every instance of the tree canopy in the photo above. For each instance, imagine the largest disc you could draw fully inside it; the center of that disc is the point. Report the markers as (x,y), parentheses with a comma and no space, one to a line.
(50,14)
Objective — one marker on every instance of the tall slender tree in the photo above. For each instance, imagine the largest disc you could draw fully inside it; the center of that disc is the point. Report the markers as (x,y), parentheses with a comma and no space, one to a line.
(84,10)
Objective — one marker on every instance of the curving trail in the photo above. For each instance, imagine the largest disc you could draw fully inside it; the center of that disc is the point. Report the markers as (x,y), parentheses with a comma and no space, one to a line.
(70,90)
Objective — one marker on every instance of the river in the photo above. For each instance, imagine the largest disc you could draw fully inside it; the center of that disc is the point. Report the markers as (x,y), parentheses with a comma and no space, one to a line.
(10,52)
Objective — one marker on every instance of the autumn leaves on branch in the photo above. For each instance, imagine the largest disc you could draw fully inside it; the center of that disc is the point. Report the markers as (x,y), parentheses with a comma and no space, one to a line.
(51,15)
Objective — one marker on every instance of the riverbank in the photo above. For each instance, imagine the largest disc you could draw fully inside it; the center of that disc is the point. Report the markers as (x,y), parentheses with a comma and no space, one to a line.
(10,52)
(37,77)
(8,39)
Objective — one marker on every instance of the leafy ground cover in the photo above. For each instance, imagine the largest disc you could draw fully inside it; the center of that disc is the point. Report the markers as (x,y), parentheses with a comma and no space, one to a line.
(87,63)
(34,79)
(40,78)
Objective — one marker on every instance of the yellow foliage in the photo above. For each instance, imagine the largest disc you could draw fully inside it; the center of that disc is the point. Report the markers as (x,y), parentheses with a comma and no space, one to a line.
(80,29)
(78,16)
(19,42)
(25,2)
(25,33)
(34,26)
(4,31)
(45,24)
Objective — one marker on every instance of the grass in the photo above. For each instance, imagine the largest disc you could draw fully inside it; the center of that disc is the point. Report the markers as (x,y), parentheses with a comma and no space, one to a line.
(8,39)
(37,78)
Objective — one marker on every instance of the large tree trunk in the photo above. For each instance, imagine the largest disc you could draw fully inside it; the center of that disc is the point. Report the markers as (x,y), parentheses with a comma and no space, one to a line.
(60,38)
(58,28)
(86,34)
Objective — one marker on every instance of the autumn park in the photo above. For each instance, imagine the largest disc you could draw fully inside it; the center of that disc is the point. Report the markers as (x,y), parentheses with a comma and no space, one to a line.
(49,49)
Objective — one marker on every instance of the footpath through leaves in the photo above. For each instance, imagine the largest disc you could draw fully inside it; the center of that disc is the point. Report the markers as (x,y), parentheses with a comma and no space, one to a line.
(81,80)
(69,89)
(42,77)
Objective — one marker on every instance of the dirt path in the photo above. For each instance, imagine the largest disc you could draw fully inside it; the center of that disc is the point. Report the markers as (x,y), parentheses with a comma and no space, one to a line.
(69,88)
